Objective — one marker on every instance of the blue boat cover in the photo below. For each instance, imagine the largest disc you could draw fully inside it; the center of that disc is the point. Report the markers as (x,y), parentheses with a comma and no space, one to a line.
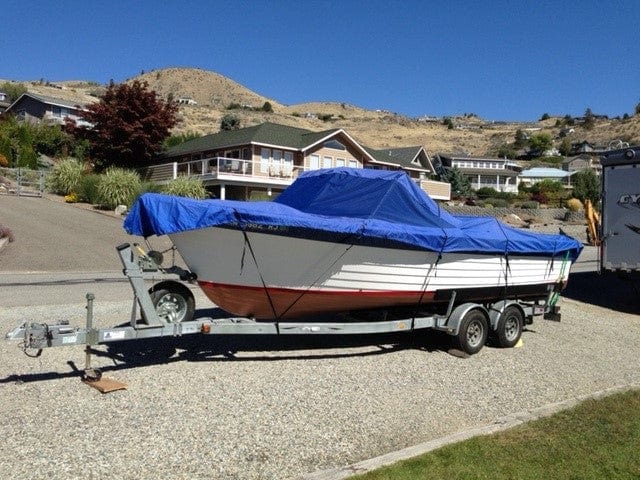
(352,206)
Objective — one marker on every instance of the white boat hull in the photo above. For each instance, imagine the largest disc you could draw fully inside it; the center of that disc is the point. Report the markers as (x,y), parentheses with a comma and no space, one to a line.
(273,276)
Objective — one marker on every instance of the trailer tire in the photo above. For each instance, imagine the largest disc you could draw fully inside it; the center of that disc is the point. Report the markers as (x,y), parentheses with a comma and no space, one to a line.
(174,302)
(510,326)
(472,332)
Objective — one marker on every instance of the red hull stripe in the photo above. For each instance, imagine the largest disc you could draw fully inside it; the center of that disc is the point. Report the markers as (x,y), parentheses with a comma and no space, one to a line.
(253,301)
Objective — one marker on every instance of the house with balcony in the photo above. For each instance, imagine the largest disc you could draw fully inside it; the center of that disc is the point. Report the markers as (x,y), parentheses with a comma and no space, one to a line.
(260,161)
(30,107)
(501,174)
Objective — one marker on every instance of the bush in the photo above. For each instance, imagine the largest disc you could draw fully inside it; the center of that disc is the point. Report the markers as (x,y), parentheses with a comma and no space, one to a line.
(530,205)
(574,205)
(186,187)
(5,232)
(65,177)
(118,186)
(88,190)
(4,161)
(497,202)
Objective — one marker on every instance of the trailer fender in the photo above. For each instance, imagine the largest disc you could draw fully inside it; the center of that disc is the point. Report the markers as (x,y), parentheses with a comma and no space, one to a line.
(496,310)
(453,322)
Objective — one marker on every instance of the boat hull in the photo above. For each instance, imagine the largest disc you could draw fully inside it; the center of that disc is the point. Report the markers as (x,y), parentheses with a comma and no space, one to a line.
(268,276)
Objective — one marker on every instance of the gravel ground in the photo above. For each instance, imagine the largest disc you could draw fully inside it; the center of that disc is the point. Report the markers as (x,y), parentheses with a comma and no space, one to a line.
(270,408)
(276,409)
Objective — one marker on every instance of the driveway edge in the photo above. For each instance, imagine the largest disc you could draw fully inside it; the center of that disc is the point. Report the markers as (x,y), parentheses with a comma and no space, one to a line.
(499,425)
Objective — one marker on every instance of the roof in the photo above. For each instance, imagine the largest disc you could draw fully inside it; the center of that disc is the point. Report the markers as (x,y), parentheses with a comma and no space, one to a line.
(50,101)
(539,172)
(502,172)
(266,133)
(403,156)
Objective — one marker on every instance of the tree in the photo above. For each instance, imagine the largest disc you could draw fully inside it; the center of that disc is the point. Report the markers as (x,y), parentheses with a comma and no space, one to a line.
(460,185)
(129,124)
(229,122)
(565,147)
(267,107)
(586,186)
(174,140)
(13,90)
(589,119)
(520,139)
(541,141)
(637,109)
(545,116)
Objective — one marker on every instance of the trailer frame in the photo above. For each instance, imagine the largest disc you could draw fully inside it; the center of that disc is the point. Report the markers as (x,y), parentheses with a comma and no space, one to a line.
(469,322)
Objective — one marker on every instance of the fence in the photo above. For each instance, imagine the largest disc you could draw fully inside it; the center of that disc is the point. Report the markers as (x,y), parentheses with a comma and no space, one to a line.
(22,182)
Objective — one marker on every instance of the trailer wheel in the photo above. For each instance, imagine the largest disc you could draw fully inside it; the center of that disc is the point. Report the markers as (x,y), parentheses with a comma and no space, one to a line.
(510,326)
(473,331)
(174,302)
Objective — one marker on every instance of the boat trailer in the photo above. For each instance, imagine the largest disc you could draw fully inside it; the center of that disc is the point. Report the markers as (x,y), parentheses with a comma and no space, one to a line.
(167,309)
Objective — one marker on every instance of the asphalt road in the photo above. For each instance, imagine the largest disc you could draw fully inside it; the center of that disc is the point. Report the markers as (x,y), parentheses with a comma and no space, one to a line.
(61,252)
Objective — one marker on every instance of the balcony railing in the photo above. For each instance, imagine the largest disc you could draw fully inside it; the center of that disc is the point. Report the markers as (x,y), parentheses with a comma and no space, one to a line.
(226,169)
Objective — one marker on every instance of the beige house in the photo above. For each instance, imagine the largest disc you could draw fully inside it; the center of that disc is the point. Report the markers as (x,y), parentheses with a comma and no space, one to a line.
(501,174)
(260,161)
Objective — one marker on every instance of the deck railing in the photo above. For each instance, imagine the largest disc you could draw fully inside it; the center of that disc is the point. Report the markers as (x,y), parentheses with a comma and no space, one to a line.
(224,168)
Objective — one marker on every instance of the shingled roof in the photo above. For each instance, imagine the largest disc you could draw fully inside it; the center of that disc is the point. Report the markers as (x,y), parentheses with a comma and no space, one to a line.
(266,133)
(400,156)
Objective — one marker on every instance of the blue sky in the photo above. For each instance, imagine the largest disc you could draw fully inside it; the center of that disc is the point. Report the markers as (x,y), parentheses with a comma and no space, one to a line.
(502,60)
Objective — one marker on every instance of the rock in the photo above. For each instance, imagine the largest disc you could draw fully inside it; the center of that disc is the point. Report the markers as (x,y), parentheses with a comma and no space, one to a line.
(120,210)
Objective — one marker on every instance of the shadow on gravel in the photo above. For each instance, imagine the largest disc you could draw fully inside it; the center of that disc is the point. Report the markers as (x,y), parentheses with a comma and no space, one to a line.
(606,290)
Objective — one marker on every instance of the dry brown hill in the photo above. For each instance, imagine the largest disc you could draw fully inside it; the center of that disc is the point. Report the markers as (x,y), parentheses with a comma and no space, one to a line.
(377,129)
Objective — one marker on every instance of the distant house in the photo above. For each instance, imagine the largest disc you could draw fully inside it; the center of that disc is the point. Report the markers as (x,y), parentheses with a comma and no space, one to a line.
(498,173)
(581,162)
(260,161)
(538,174)
(33,108)
(581,147)
(187,101)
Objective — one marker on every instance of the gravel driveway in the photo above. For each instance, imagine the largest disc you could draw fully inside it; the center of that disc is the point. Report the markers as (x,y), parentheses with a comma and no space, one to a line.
(276,408)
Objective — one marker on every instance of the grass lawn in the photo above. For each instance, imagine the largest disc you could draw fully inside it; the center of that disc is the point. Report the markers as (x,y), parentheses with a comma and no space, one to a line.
(598,439)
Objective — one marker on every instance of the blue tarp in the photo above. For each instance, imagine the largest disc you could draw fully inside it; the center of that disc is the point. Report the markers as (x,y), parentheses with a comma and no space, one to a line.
(347,205)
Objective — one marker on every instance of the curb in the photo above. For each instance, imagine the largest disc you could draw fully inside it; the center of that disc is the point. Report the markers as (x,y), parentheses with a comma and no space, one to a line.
(499,425)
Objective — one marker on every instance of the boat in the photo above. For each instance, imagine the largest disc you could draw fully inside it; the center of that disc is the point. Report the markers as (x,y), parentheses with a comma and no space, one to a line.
(345,239)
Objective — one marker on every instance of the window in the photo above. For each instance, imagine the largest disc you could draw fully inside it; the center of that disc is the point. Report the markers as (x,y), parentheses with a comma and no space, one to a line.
(327,162)
(277,156)
(353,164)
(265,155)
(335,144)
(314,162)
(340,162)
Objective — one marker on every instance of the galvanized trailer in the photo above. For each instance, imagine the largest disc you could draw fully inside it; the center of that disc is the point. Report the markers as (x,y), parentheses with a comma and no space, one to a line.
(620,223)
(167,310)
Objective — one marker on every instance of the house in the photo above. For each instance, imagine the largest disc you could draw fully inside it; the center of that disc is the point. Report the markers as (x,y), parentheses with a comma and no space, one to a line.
(581,147)
(501,174)
(538,174)
(581,162)
(33,108)
(260,161)
(187,101)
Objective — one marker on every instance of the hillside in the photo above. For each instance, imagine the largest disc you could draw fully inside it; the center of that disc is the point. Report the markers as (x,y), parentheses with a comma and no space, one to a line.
(377,129)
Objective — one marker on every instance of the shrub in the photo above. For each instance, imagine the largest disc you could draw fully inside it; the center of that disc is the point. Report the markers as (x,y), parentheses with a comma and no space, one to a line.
(65,177)
(88,190)
(4,161)
(118,186)
(186,187)
(530,205)
(574,205)
(497,202)
(71,198)
(5,232)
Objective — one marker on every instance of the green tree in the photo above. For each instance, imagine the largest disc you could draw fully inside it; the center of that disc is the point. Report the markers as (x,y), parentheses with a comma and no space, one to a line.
(506,151)
(520,140)
(267,107)
(589,119)
(586,186)
(129,124)
(174,140)
(460,185)
(565,146)
(541,141)
(229,122)
(13,90)
(545,116)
